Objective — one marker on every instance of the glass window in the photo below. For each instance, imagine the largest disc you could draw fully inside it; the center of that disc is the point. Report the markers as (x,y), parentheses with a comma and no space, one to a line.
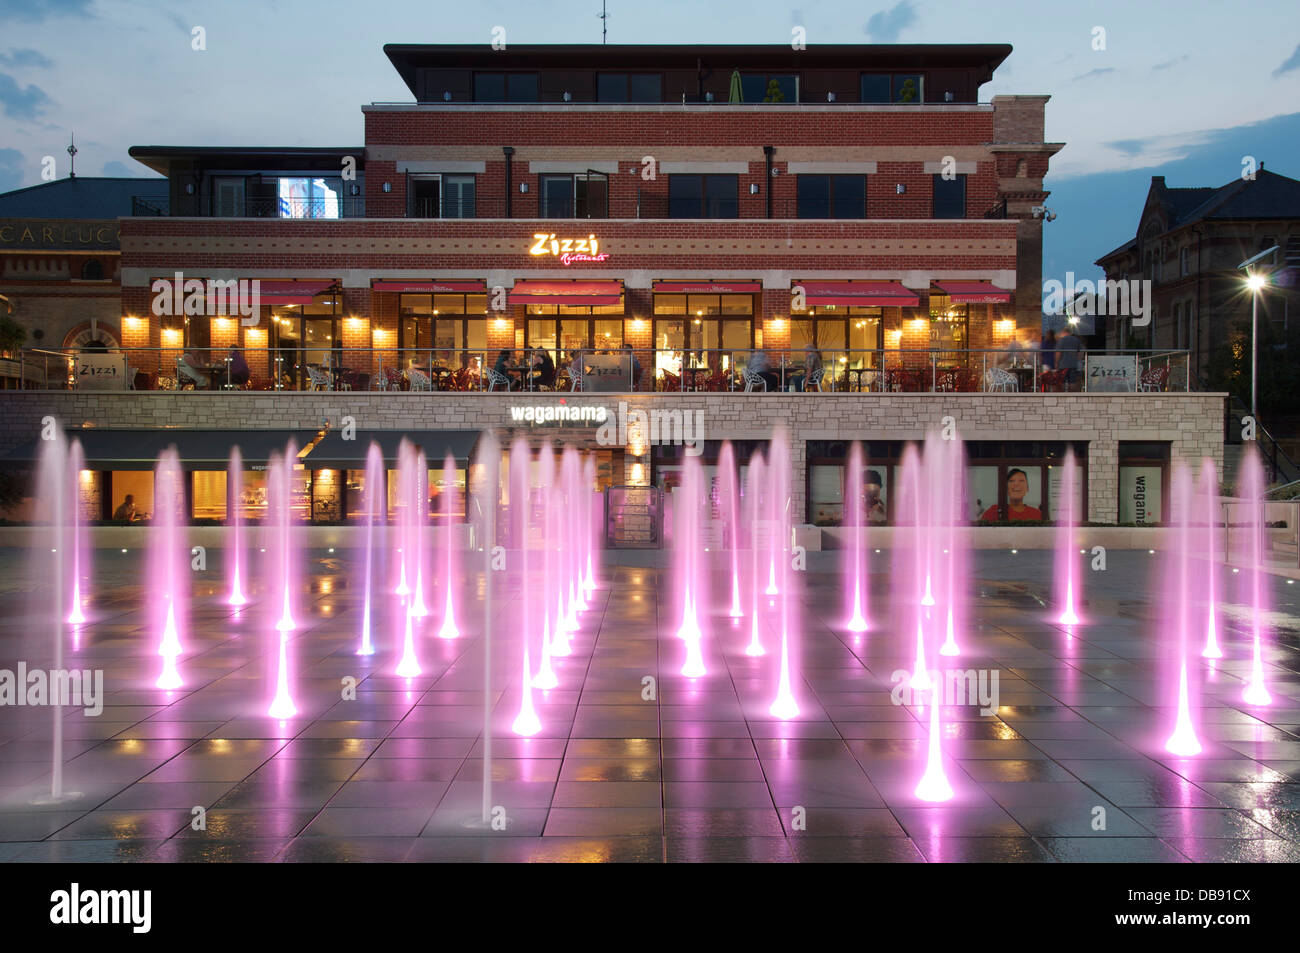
(490,87)
(670,304)
(557,196)
(832,196)
(521,87)
(584,195)
(814,196)
(703,196)
(907,89)
(645,88)
(611,87)
(424,196)
(949,197)
(769,87)
(875,88)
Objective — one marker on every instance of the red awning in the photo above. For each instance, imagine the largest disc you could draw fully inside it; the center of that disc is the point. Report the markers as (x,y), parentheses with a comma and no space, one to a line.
(858,293)
(566,292)
(291,292)
(973,292)
(431,286)
(723,287)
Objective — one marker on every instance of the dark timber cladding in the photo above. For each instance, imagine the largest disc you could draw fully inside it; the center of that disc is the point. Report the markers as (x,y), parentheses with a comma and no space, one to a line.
(431,71)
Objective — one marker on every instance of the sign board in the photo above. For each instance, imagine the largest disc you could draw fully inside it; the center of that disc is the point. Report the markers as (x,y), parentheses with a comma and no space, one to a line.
(1111,372)
(607,372)
(99,370)
(1139,495)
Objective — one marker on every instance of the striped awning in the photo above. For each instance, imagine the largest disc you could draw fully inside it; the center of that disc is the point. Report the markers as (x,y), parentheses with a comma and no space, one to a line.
(858,293)
(537,291)
(973,292)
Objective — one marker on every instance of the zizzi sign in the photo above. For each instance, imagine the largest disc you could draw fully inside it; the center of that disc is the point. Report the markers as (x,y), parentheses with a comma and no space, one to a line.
(568,250)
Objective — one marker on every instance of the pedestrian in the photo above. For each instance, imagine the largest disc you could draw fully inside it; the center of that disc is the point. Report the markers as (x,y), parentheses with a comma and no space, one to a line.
(1068,347)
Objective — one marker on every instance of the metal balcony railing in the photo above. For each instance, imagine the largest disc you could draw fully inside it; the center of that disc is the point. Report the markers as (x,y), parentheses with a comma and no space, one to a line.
(618,370)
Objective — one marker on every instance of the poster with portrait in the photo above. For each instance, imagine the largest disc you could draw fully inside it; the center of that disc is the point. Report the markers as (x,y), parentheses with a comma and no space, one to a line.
(1018,497)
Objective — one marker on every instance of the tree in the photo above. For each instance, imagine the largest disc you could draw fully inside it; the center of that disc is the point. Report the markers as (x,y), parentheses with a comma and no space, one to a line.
(773,94)
(1228,367)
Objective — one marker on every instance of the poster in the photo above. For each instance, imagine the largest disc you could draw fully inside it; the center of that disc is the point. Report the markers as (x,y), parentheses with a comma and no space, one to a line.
(1020,497)
(1139,495)
(607,372)
(1055,506)
(1111,372)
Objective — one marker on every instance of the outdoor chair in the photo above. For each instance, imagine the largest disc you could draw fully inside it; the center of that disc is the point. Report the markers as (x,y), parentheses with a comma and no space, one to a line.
(419,380)
(753,379)
(1154,379)
(814,381)
(577,379)
(497,378)
(318,379)
(1000,381)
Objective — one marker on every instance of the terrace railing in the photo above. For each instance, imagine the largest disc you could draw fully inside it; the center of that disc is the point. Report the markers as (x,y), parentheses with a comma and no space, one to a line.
(734,370)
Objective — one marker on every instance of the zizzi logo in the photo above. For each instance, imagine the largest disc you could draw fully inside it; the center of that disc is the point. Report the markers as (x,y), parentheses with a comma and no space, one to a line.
(568,250)
(656,428)
(67,688)
(213,298)
(1130,298)
(102,908)
(956,687)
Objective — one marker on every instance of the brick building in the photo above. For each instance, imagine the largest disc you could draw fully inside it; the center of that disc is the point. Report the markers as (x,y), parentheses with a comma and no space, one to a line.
(691,204)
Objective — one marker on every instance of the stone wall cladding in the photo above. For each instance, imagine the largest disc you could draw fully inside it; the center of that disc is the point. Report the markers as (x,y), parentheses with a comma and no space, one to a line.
(1192,423)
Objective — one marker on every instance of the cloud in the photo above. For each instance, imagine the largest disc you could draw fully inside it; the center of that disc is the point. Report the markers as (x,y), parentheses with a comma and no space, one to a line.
(1168,63)
(38,11)
(26,58)
(21,102)
(884,27)
(116,170)
(11,169)
(1092,73)
(1159,150)
(1292,62)
(1130,147)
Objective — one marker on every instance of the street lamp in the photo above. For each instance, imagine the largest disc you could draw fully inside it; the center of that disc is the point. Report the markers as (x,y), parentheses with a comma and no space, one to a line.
(1255,281)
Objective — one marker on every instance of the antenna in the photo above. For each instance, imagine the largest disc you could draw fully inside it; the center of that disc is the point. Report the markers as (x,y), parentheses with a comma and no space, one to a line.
(72,155)
(604,22)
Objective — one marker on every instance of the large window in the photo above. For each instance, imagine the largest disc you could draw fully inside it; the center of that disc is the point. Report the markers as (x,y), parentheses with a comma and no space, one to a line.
(447,330)
(305,339)
(440,196)
(769,87)
(892,88)
(505,87)
(949,197)
(848,339)
(565,329)
(267,196)
(581,195)
(701,331)
(949,331)
(703,196)
(629,88)
(832,196)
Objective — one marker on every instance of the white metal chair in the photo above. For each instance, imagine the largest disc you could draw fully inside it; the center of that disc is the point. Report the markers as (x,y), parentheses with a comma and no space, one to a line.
(814,381)
(996,379)
(496,377)
(317,379)
(577,379)
(752,379)
(419,380)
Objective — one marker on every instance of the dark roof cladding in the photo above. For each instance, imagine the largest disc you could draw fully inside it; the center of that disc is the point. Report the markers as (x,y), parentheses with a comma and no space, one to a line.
(83,198)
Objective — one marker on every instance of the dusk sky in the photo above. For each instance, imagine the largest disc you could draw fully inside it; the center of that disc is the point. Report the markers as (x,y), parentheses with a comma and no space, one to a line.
(1181,90)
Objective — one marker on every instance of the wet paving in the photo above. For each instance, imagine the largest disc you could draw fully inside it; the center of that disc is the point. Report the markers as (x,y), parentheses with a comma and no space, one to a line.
(635,762)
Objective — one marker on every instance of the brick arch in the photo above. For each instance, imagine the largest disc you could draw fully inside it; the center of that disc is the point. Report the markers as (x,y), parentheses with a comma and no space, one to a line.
(80,334)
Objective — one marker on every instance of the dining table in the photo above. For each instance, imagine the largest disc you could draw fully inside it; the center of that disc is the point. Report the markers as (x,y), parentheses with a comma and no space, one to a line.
(857,374)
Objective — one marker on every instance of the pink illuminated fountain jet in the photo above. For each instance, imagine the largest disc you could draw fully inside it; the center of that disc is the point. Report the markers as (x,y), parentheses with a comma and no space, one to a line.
(526,722)
(167,554)
(375,504)
(78,541)
(730,500)
(755,483)
(687,517)
(279,522)
(784,705)
(1209,492)
(1252,483)
(1067,558)
(855,528)
(234,518)
(1178,603)
(448,629)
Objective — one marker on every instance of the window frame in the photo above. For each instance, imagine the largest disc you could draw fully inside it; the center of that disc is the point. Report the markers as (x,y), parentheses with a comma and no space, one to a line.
(703,178)
(935,199)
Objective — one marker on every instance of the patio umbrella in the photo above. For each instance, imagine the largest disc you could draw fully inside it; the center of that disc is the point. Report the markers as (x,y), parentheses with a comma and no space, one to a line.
(736,95)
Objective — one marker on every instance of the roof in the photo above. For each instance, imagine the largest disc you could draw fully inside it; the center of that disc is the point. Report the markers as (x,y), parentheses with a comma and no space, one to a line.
(83,198)
(408,58)
(335,452)
(263,158)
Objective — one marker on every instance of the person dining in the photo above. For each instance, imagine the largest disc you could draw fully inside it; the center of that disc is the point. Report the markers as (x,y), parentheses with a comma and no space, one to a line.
(812,363)
(542,373)
(760,365)
(238,367)
(187,367)
(125,513)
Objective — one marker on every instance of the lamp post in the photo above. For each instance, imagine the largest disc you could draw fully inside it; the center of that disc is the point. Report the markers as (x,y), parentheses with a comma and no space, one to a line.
(1255,281)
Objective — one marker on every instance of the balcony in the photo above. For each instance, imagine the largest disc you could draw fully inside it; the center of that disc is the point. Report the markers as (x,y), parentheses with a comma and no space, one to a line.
(876,371)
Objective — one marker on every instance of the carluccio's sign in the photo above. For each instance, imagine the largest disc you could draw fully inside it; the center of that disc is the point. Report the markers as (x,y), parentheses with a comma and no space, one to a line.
(61,234)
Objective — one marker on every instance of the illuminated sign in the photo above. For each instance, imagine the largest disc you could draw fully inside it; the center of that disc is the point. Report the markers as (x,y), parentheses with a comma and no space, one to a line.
(568,250)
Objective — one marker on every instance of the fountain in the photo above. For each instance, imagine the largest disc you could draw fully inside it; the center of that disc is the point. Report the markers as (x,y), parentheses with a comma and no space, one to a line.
(545,678)
(1067,559)
(448,630)
(235,520)
(753,514)
(77,541)
(910,557)
(279,525)
(784,705)
(855,536)
(1251,481)
(687,516)
(168,552)
(526,723)
(1178,597)
(730,506)
(375,504)
(1210,506)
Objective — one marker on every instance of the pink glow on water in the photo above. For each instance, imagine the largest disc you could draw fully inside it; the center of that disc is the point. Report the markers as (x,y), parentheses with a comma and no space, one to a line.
(1067,550)
(1183,741)
(950,647)
(920,681)
(934,786)
(546,678)
(409,665)
(170,649)
(375,504)
(526,723)
(688,512)
(753,513)
(449,630)
(78,542)
(729,512)
(560,647)
(784,707)
(855,528)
